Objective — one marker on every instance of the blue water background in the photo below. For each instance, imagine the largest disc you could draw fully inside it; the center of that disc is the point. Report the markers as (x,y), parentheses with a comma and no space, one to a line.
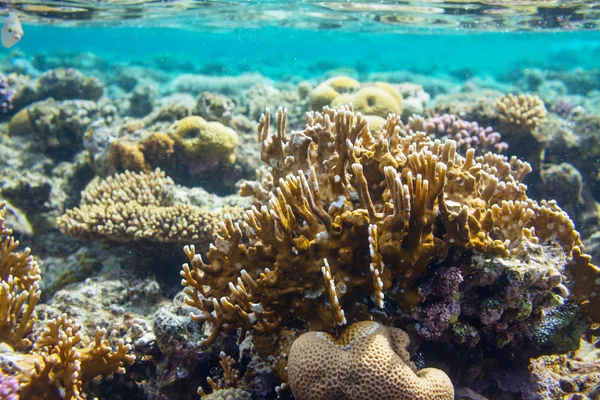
(279,52)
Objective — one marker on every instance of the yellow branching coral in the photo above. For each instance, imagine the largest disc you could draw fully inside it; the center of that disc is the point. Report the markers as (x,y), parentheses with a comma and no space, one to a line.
(58,363)
(132,206)
(343,212)
(227,389)
(19,289)
(522,113)
(368,361)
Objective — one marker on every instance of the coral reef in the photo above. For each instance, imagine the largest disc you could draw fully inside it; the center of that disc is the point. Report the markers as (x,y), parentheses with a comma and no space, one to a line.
(59,362)
(19,290)
(368,361)
(344,212)
(132,207)
(59,84)
(419,206)
(327,91)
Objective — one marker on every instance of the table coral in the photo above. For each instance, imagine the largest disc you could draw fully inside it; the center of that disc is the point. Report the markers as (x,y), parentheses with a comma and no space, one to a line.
(344,212)
(131,207)
(368,361)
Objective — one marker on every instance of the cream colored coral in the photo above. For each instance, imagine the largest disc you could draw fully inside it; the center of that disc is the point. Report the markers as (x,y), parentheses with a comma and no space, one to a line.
(60,363)
(327,91)
(522,113)
(135,206)
(369,361)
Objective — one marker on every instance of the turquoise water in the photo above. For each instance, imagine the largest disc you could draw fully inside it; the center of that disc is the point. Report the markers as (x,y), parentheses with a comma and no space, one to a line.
(287,51)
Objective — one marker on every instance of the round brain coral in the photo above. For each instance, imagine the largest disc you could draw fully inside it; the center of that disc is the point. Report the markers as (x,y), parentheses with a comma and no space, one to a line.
(379,100)
(327,91)
(209,141)
(368,361)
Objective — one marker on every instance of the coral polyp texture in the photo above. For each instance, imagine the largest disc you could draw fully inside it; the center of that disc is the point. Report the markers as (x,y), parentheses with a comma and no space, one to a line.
(131,207)
(521,113)
(466,134)
(59,361)
(368,361)
(344,212)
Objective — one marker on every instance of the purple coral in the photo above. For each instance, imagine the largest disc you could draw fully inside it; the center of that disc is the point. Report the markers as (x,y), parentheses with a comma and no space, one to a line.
(563,107)
(446,281)
(436,319)
(466,134)
(6,96)
(8,387)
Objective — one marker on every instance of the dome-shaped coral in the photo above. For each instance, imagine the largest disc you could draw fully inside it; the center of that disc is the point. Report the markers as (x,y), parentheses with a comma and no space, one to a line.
(229,394)
(368,361)
(372,100)
(329,90)
(209,142)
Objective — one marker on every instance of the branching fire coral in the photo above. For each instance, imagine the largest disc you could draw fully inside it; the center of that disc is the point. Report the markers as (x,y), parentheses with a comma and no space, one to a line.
(344,212)
(59,362)
(19,289)
(136,206)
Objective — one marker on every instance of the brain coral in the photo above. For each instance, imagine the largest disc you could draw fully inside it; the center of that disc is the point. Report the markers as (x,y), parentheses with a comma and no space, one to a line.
(368,361)
(210,143)
(327,91)
(378,99)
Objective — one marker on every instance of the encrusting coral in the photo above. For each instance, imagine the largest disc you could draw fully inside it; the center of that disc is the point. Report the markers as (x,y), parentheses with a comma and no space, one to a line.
(368,361)
(59,362)
(131,207)
(345,212)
